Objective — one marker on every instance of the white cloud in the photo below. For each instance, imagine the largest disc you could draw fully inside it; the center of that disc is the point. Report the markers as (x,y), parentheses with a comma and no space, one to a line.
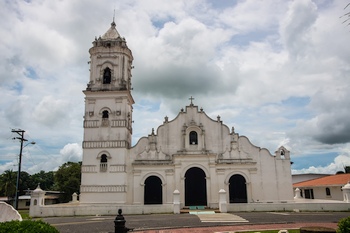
(253,16)
(35,159)
(248,61)
(337,165)
(296,28)
(331,123)
(71,152)
(50,111)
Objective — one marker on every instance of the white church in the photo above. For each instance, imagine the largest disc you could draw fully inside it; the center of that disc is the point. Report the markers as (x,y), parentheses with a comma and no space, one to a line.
(192,153)
(191,161)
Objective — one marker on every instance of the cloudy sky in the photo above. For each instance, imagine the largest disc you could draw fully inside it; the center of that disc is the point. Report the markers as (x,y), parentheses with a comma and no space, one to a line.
(276,70)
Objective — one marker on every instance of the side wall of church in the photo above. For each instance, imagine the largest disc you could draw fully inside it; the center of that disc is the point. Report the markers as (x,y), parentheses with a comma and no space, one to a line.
(221,154)
(272,180)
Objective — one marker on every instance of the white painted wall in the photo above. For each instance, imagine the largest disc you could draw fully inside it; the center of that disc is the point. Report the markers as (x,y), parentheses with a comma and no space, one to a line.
(320,192)
(167,152)
(219,153)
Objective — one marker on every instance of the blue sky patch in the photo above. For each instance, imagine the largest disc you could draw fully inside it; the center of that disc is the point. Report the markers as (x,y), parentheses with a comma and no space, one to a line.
(253,36)
(316,160)
(18,87)
(148,105)
(297,107)
(297,101)
(159,23)
(222,4)
(30,73)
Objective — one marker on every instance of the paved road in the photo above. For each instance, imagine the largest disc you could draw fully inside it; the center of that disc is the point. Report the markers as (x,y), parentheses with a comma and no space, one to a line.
(103,224)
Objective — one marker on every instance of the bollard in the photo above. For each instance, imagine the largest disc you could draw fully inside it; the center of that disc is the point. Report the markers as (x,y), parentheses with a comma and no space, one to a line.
(119,223)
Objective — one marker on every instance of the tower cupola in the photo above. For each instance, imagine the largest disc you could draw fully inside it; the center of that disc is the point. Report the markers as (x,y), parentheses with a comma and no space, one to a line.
(110,38)
(110,62)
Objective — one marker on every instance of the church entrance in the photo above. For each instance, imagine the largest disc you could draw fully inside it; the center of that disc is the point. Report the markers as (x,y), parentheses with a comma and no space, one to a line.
(153,191)
(238,189)
(195,187)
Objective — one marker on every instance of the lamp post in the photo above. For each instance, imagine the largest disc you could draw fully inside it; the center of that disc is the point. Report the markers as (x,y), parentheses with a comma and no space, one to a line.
(22,139)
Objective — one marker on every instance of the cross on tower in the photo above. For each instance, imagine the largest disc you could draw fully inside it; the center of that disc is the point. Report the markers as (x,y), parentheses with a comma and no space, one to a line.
(191,100)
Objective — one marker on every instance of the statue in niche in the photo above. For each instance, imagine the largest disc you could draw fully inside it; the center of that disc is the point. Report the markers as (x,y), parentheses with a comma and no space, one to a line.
(234,140)
(232,150)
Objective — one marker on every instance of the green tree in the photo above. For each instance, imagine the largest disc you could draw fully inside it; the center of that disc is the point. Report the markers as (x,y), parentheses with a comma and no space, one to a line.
(8,183)
(67,180)
(347,169)
(344,225)
(45,179)
(24,182)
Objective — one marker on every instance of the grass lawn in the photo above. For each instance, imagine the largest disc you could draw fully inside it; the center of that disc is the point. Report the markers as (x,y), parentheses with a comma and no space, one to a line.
(24,214)
(272,231)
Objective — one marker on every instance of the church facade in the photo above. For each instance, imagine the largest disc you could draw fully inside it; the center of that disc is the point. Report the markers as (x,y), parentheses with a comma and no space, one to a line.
(192,155)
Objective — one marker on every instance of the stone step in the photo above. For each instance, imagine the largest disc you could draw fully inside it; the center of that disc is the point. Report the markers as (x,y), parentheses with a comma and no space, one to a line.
(188,209)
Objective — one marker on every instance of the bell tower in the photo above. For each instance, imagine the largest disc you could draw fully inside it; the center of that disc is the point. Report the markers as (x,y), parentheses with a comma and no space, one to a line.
(107,120)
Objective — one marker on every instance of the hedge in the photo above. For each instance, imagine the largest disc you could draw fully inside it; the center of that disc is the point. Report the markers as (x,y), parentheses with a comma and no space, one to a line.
(344,225)
(27,226)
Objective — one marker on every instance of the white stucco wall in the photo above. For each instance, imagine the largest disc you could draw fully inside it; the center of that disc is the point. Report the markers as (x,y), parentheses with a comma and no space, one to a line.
(167,152)
(219,153)
(320,192)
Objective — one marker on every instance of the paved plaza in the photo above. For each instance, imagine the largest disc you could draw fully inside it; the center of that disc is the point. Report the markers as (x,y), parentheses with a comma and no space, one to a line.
(208,222)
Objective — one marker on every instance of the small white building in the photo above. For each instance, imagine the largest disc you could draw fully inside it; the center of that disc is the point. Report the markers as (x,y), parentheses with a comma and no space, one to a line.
(192,153)
(51,198)
(296,178)
(327,188)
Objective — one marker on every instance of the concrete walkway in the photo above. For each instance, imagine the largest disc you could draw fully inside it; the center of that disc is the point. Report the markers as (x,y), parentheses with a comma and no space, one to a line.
(200,222)
(211,216)
(233,229)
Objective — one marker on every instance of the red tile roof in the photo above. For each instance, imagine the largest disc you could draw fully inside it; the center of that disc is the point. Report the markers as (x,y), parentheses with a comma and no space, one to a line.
(332,180)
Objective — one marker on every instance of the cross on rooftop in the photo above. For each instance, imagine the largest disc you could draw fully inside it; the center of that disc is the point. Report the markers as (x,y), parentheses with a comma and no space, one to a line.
(191,100)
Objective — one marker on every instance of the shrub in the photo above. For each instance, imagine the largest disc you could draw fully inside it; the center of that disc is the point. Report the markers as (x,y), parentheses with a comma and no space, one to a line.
(344,225)
(27,226)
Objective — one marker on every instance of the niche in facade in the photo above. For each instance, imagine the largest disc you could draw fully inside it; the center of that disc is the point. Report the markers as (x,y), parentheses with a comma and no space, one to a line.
(107,76)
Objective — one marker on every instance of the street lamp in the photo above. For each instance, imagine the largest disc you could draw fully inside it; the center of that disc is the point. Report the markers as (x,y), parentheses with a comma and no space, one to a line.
(22,139)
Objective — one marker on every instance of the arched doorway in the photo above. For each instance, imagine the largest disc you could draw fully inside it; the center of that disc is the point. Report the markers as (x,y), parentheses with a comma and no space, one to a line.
(153,191)
(195,187)
(238,189)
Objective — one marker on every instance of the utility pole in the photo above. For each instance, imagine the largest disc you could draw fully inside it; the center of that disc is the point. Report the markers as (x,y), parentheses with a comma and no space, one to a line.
(22,139)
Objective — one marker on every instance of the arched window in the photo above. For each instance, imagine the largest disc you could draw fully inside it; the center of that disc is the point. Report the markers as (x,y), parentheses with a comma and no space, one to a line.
(103,158)
(103,163)
(193,138)
(105,114)
(105,121)
(107,76)
(282,154)
(328,192)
